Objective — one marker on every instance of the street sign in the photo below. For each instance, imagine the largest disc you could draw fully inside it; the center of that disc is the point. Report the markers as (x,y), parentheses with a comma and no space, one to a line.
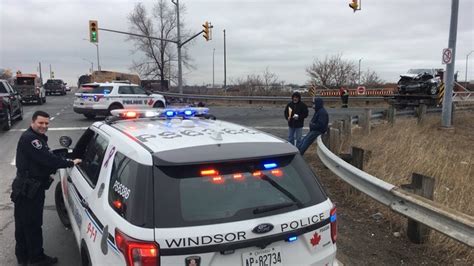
(361,90)
(447,56)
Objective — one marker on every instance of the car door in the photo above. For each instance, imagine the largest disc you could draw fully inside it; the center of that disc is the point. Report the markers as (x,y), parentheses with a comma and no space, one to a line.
(140,93)
(127,97)
(87,219)
(15,99)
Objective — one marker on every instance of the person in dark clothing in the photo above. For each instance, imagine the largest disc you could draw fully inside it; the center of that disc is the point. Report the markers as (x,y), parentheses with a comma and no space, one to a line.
(344,93)
(295,113)
(317,126)
(35,163)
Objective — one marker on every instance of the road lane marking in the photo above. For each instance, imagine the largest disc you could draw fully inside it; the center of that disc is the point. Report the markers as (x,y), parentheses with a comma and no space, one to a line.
(52,118)
(13,160)
(58,114)
(53,129)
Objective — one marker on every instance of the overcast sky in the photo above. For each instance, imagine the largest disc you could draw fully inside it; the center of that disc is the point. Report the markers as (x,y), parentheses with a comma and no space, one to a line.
(285,36)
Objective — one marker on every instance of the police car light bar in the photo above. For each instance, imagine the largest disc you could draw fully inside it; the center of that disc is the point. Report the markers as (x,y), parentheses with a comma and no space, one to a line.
(186,112)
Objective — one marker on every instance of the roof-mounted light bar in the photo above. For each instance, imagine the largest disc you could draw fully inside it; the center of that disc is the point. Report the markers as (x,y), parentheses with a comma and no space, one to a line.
(186,112)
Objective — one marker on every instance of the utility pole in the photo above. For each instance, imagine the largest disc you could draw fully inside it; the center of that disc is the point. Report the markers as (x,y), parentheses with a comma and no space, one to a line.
(50,72)
(467,60)
(448,95)
(359,71)
(225,66)
(213,52)
(98,61)
(41,73)
(180,70)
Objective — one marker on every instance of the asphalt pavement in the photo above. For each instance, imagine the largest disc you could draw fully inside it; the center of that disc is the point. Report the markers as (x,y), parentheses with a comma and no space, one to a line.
(57,240)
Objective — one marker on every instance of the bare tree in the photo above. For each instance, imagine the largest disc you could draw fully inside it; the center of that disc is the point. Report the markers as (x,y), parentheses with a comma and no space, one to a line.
(371,79)
(270,80)
(5,74)
(332,72)
(158,55)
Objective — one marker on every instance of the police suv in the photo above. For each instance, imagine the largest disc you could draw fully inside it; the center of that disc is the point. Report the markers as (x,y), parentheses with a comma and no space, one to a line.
(172,187)
(94,99)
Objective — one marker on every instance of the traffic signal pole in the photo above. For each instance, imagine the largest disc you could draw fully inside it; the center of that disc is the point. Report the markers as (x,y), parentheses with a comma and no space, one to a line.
(448,95)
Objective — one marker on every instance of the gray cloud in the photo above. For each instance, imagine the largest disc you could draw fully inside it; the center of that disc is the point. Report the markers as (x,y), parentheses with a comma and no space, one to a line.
(285,36)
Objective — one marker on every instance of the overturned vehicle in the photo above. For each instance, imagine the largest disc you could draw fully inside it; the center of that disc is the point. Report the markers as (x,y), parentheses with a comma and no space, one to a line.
(420,81)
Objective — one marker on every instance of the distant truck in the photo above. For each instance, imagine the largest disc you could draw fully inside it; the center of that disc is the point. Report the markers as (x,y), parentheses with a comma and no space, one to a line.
(55,86)
(108,76)
(30,88)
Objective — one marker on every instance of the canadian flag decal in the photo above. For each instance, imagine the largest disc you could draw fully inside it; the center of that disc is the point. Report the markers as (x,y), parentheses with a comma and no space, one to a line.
(315,239)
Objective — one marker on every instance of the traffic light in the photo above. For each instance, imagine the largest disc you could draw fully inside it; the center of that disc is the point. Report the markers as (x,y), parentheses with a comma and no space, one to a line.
(206,30)
(94,31)
(354,5)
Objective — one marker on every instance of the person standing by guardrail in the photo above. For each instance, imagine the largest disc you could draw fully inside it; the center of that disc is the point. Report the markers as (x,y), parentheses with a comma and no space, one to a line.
(295,113)
(317,126)
(344,93)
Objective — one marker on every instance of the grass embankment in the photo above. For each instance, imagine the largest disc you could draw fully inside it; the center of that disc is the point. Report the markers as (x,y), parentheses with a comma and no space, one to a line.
(447,155)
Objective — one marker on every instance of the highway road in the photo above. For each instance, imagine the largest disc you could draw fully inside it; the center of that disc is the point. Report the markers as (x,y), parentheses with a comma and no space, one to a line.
(57,240)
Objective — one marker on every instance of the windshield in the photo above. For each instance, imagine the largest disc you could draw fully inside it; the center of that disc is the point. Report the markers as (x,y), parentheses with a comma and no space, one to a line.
(225,192)
(25,81)
(95,89)
(54,81)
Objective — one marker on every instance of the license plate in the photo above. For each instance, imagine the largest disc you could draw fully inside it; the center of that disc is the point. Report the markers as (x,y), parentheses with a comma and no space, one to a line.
(263,257)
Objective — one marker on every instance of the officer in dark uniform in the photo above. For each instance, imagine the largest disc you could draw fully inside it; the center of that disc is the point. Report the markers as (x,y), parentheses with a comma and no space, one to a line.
(35,163)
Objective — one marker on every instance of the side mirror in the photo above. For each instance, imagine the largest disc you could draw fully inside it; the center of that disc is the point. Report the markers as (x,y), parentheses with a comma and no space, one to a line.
(65,141)
(148,92)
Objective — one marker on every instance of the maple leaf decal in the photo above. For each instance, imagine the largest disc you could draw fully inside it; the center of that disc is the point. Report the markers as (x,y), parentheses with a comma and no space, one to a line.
(315,239)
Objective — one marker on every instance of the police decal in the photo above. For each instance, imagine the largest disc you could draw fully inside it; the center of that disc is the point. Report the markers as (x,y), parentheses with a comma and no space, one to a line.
(37,144)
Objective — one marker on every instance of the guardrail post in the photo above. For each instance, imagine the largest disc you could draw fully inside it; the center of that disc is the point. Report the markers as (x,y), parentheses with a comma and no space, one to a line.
(423,186)
(421,113)
(334,140)
(365,120)
(391,113)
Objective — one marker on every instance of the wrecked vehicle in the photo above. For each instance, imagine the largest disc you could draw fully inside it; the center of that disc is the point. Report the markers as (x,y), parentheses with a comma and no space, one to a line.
(420,81)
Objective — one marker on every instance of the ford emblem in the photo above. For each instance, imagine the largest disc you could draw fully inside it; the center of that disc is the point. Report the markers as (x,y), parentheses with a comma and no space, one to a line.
(263,228)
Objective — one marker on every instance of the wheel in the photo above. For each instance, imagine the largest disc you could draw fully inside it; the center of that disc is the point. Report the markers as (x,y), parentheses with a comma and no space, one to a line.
(20,116)
(89,116)
(61,207)
(114,107)
(433,90)
(159,104)
(8,123)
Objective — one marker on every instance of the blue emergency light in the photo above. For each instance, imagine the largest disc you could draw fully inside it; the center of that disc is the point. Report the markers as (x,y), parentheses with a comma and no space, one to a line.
(270,165)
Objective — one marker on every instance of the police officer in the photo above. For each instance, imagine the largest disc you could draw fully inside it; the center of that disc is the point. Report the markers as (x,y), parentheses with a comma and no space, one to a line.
(35,163)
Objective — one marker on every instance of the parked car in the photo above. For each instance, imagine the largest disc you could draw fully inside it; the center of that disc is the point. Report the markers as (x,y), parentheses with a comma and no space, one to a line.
(55,86)
(171,187)
(10,105)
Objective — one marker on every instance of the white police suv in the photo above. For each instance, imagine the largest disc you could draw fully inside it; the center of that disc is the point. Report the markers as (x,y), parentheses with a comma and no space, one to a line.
(94,99)
(170,187)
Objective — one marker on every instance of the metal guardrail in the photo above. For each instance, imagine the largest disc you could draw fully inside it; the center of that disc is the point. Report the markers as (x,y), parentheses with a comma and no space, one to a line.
(450,222)
(262,98)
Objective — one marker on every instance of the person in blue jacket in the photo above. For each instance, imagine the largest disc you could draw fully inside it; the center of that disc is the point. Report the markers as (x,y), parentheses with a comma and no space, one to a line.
(317,126)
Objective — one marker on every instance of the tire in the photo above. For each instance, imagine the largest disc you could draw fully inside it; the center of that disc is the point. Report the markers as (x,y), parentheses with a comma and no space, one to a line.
(433,90)
(85,256)
(159,104)
(8,122)
(20,116)
(89,116)
(61,207)
(114,107)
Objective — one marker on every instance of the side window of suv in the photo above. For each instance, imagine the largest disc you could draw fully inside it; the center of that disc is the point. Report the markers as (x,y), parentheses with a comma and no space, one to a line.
(130,191)
(93,154)
(138,90)
(3,89)
(125,90)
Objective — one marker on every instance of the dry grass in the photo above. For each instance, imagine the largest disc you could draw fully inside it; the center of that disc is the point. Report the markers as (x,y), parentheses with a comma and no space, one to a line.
(447,155)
